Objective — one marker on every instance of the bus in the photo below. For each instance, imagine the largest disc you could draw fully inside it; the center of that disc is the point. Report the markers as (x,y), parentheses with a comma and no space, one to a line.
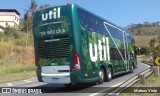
(73,45)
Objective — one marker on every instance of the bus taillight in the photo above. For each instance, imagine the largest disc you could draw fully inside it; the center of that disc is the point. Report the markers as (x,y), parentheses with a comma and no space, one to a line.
(38,69)
(36,10)
(76,62)
(37,65)
(36,61)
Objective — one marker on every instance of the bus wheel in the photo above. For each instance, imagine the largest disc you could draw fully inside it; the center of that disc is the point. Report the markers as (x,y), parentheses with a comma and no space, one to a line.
(101,74)
(109,74)
(132,68)
(69,85)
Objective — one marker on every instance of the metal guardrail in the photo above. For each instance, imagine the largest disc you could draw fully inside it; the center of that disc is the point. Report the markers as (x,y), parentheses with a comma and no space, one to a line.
(138,77)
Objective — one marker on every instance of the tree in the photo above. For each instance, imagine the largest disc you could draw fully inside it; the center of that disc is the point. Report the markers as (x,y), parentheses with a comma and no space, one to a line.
(28,16)
(44,6)
(152,44)
(10,31)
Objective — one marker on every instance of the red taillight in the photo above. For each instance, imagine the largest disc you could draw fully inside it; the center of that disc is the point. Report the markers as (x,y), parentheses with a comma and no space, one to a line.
(76,62)
(36,61)
(36,10)
(38,69)
(37,64)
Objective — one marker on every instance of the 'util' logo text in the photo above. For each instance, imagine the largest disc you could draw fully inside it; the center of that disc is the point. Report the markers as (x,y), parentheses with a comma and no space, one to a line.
(52,14)
(103,50)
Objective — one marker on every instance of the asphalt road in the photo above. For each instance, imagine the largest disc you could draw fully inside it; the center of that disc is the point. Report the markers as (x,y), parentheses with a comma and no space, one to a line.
(76,90)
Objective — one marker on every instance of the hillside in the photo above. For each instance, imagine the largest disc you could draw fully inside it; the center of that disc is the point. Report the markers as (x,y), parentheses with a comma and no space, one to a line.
(143,33)
(144,40)
(144,30)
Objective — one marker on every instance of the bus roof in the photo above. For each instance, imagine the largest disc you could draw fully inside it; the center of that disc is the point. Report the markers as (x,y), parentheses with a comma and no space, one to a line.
(103,19)
(72,4)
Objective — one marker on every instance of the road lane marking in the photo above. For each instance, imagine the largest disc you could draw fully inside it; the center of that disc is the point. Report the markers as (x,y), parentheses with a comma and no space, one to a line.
(117,84)
(105,89)
(28,81)
(9,84)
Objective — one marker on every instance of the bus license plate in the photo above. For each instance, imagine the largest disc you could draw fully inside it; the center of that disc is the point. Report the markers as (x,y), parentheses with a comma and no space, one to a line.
(54,78)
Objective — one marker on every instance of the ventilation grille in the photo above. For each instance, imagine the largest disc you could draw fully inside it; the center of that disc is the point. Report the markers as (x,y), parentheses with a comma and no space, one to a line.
(59,48)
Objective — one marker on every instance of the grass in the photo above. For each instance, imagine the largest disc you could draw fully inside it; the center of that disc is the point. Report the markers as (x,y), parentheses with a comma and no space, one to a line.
(16,60)
(152,81)
(8,69)
(16,72)
(146,59)
(16,76)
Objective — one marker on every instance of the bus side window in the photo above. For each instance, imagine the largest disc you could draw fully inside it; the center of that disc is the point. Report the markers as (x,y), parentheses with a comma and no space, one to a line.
(112,52)
(83,18)
(118,55)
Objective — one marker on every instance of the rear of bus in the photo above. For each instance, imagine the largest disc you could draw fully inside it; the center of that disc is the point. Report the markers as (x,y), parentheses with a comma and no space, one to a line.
(56,57)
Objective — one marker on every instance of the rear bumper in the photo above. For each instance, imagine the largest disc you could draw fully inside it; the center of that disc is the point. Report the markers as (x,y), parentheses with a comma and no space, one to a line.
(56,74)
(77,77)
(63,78)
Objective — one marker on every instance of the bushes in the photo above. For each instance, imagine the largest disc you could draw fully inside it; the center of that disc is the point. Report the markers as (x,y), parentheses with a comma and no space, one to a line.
(14,56)
(11,32)
(15,36)
(1,35)
(6,48)
(21,41)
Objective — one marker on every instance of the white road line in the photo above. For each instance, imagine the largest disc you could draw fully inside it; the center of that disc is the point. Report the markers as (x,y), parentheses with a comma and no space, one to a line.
(9,84)
(105,89)
(117,84)
(28,81)
(94,94)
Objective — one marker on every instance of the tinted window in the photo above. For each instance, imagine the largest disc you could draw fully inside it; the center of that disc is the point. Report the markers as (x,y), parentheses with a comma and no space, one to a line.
(95,24)
(91,22)
(130,38)
(115,55)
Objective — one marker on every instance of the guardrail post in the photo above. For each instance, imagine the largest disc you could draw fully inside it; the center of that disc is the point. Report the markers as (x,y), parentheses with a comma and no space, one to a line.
(156,70)
(142,78)
(158,74)
(159,70)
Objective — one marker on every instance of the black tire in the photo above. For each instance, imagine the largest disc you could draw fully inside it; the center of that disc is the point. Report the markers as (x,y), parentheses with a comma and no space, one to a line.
(109,74)
(101,79)
(69,85)
(132,69)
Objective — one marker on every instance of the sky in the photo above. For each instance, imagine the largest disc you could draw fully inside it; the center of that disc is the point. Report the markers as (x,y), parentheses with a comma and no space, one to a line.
(119,12)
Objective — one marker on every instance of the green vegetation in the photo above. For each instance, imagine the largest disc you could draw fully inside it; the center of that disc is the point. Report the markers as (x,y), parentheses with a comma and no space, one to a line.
(15,56)
(147,38)
(16,68)
(17,76)
(152,81)
(16,49)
